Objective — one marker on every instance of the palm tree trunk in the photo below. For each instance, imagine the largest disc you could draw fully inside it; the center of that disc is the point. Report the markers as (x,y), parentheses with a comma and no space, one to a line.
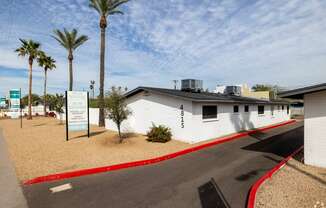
(45,79)
(70,58)
(101,96)
(30,90)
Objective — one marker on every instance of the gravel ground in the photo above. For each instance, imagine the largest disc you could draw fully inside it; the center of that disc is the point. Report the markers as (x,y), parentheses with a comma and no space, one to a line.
(295,185)
(40,147)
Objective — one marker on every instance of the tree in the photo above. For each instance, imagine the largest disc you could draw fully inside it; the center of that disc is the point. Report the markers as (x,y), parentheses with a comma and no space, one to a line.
(92,87)
(261,87)
(116,108)
(31,49)
(48,64)
(58,103)
(35,100)
(50,101)
(104,8)
(70,41)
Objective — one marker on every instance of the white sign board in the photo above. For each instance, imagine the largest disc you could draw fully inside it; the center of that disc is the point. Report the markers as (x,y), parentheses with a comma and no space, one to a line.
(77,110)
(14,103)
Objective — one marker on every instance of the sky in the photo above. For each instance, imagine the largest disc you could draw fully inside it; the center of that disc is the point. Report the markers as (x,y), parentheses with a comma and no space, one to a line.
(218,41)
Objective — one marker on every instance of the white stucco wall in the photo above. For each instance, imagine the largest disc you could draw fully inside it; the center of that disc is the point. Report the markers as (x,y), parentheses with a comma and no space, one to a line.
(161,110)
(315,129)
(94,116)
(165,110)
(228,122)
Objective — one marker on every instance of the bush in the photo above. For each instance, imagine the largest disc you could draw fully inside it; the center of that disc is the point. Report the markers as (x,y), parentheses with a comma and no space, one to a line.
(93,103)
(159,134)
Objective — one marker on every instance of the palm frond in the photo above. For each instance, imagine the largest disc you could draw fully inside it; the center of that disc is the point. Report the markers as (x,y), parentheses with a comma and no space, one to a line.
(79,41)
(115,11)
(69,39)
(61,38)
(117,3)
(28,47)
(107,7)
(94,4)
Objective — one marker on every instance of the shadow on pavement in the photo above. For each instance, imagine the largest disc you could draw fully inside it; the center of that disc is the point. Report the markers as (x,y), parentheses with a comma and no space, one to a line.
(250,174)
(283,146)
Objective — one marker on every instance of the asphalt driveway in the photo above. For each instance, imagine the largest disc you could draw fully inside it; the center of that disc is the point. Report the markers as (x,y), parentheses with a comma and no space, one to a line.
(187,181)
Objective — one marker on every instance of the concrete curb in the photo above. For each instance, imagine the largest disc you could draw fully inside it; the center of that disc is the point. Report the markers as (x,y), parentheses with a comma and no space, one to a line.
(84,172)
(268,175)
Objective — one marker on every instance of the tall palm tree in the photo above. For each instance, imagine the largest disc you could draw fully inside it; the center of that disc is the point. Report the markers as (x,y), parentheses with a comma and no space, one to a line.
(31,49)
(47,63)
(70,41)
(104,8)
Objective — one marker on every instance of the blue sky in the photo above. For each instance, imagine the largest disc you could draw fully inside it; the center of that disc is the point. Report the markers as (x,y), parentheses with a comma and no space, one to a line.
(219,41)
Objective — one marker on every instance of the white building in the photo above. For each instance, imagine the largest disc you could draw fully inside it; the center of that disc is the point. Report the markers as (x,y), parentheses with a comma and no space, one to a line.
(195,117)
(314,122)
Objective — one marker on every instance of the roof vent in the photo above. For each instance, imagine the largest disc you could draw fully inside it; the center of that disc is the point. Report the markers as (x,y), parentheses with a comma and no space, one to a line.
(192,85)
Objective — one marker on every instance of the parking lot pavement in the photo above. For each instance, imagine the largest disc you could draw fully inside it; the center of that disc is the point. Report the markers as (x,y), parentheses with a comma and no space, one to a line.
(185,181)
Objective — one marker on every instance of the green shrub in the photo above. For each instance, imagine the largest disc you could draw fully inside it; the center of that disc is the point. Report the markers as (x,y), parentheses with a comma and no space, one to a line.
(93,103)
(159,134)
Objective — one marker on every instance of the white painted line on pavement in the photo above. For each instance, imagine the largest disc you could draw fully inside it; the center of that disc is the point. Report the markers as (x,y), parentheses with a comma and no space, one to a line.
(61,188)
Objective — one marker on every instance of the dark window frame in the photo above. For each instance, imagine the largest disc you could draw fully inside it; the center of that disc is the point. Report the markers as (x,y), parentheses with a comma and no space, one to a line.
(209,115)
(261,111)
(236,109)
(287,109)
(246,108)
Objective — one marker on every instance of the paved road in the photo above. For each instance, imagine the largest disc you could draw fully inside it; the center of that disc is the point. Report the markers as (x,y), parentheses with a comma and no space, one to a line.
(186,181)
(11,195)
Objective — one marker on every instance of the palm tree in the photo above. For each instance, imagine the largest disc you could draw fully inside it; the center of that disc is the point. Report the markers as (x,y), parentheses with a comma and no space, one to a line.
(104,8)
(70,41)
(47,63)
(31,49)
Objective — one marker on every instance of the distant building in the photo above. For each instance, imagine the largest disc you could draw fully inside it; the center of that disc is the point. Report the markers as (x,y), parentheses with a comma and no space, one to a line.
(245,91)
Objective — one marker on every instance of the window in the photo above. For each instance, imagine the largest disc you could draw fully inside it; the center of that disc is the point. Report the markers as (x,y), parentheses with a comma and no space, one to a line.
(282,107)
(272,110)
(288,109)
(235,109)
(261,109)
(246,108)
(209,111)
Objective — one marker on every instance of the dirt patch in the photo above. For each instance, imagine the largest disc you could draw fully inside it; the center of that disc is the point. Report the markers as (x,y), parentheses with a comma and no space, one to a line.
(40,147)
(295,185)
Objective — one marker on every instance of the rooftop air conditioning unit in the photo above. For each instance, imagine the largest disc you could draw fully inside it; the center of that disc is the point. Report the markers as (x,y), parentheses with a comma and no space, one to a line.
(192,85)
(233,90)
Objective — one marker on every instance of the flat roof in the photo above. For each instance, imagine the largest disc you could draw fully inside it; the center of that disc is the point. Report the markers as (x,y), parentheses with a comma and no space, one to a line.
(202,96)
(299,93)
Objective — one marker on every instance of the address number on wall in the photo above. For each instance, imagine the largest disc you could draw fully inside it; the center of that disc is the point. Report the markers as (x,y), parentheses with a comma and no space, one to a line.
(182,117)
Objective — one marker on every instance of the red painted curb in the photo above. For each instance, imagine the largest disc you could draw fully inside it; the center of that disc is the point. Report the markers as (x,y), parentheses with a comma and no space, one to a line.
(268,175)
(148,161)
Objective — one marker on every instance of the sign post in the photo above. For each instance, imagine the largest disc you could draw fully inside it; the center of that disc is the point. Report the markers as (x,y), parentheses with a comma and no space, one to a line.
(77,112)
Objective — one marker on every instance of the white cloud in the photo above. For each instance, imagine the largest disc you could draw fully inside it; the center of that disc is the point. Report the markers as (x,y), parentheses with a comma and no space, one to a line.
(157,41)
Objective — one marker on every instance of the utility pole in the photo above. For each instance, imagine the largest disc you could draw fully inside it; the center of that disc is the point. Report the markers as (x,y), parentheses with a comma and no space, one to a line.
(175,83)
